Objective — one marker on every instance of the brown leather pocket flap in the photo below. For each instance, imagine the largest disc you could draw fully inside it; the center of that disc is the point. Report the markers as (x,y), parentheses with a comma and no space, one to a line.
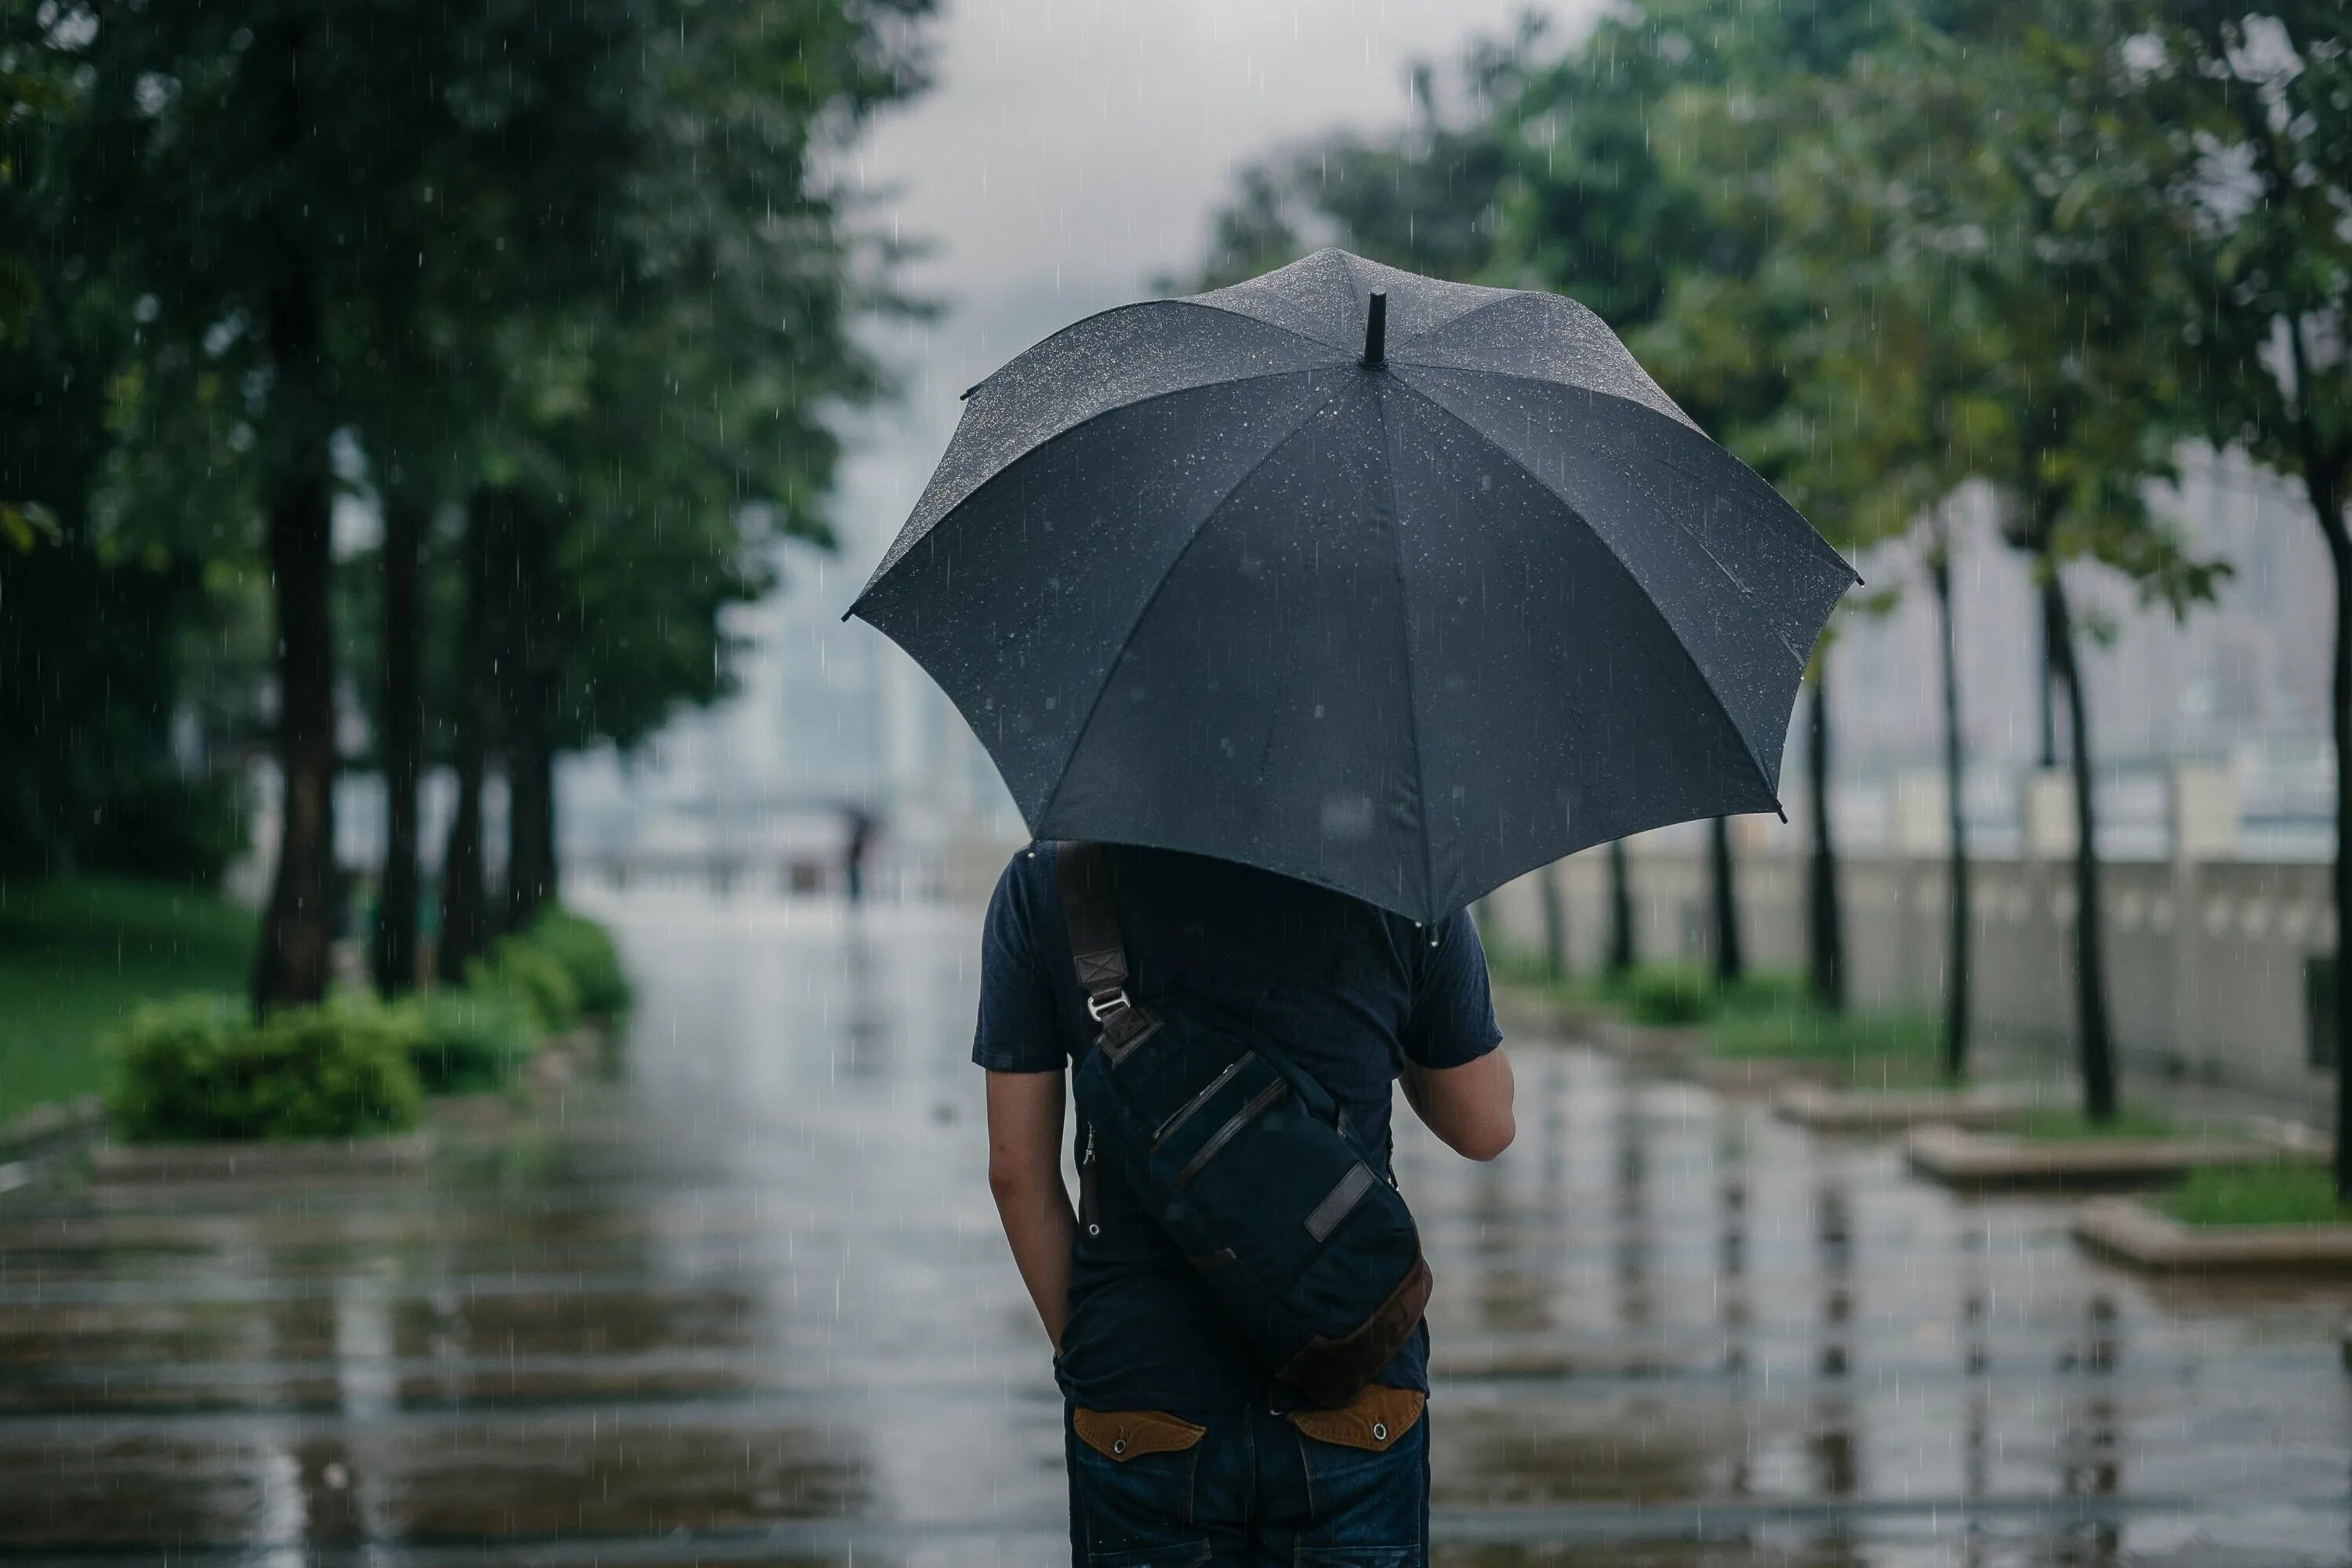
(1124,1434)
(1374,1420)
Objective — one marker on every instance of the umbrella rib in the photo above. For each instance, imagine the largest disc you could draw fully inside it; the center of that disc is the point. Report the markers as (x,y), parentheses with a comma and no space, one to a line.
(1205,303)
(1742,589)
(895,554)
(1823,546)
(1673,634)
(1412,697)
(1503,296)
(1078,738)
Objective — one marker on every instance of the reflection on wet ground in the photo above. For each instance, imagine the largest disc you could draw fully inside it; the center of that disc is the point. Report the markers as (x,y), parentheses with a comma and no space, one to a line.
(743,1300)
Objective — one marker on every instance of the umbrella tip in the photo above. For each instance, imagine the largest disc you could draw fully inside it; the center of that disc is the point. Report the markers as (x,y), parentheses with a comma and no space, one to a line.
(1780,811)
(1376,331)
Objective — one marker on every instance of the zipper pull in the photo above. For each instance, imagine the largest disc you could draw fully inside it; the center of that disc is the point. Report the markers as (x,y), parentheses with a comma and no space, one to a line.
(1088,1215)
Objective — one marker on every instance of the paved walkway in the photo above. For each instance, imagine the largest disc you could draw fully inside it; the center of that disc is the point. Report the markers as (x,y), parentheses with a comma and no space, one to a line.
(744,1301)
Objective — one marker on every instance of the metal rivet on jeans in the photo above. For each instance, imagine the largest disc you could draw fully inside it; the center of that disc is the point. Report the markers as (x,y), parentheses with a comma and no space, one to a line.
(1379,1432)
(1118,1445)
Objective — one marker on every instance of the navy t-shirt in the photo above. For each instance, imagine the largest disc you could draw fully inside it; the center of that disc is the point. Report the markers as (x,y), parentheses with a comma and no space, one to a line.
(1340,986)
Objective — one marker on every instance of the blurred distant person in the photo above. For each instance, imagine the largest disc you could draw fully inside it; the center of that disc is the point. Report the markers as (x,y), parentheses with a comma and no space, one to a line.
(855,852)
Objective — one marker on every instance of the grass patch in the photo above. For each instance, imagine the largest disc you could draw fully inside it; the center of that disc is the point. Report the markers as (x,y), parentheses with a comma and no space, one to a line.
(78,956)
(1877,1050)
(2283,1193)
(2051,1124)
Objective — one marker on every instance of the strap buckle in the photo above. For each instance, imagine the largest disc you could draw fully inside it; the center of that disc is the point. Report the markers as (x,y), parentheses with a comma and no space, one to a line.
(1100,1007)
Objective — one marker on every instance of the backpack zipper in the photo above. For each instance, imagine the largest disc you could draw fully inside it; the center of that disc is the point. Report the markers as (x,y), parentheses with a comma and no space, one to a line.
(1088,1218)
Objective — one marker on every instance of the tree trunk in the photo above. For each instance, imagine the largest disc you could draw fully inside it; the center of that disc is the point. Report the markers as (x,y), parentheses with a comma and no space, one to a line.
(1555,922)
(1624,946)
(297,933)
(464,899)
(530,817)
(2092,1020)
(528,666)
(400,739)
(1825,910)
(1959,967)
(2327,500)
(2048,692)
(1730,959)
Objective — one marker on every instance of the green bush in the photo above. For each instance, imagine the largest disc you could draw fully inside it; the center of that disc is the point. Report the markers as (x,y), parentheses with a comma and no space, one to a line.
(588,956)
(468,1040)
(194,1071)
(1661,994)
(1781,991)
(519,966)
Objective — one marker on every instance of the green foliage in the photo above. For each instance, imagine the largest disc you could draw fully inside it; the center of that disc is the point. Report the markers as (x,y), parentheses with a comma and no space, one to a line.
(589,957)
(1864,1049)
(1663,995)
(470,1039)
(196,1070)
(534,977)
(1424,197)
(2052,1124)
(1766,992)
(2281,1193)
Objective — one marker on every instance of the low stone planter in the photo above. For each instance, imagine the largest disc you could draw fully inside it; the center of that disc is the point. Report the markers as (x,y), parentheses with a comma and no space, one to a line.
(1759,1075)
(135,1163)
(1827,1110)
(489,1111)
(1961,1158)
(2144,1236)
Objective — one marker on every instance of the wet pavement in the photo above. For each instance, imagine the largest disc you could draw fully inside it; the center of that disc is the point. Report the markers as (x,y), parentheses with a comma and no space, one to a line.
(740,1298)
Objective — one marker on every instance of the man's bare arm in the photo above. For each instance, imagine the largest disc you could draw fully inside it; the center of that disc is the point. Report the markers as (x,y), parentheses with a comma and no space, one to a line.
(1024,1172)
(1468,1107)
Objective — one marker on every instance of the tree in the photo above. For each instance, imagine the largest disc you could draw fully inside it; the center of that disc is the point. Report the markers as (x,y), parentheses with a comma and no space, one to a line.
(671,434)
(2006,182)
(258,175)
(1878,422)
(2245,114)
(1638,185)
(114,628)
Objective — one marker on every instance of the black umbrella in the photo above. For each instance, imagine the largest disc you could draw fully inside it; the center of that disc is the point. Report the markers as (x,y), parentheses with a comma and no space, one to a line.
(1394,584)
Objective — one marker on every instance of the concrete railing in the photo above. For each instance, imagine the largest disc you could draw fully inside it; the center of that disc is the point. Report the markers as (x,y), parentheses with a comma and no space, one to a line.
(2206,951)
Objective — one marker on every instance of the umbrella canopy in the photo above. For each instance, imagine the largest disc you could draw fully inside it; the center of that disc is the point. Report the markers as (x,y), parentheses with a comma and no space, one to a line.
(1397,585)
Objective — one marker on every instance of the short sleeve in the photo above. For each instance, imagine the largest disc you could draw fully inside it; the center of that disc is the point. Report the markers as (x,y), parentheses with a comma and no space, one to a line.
(1452,1020)
(1017,1030)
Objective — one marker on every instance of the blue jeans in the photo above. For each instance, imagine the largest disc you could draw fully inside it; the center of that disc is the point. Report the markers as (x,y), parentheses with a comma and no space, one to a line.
(1251,1490)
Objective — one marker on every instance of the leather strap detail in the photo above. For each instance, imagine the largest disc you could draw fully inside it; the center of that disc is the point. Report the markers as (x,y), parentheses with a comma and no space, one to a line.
(1374,1420)
(1124,1434)
(1331,1372)
(1084,873)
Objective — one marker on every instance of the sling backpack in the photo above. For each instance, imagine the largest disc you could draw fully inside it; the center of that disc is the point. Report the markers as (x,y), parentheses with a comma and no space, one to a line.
(1246,1161)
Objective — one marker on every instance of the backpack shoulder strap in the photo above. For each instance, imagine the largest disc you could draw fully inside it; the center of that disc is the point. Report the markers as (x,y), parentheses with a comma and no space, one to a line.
(1095,947)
